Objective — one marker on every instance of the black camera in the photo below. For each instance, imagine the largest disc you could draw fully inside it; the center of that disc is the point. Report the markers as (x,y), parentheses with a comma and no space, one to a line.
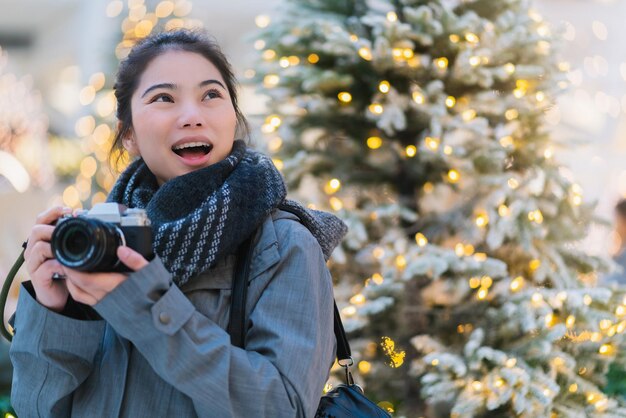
(89,241)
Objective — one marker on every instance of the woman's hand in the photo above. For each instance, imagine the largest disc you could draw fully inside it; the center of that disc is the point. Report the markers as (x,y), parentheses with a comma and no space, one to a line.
(40,263)
(90,288)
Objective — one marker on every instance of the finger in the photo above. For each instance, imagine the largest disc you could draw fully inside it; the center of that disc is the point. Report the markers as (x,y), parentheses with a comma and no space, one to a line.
(38,233)
(131,258)
(40,252)
(80,295)
(52,214)
(44,272)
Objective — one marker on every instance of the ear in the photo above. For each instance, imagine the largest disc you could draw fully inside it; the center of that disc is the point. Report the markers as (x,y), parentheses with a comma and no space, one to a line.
(129,143)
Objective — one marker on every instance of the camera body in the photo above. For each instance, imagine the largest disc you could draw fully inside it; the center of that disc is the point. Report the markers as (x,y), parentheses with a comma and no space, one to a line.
(89,241)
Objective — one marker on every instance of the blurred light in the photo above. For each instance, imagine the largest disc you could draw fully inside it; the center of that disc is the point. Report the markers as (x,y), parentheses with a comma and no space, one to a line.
(271,80)
(384,86)
(453,176)
(570,32)
(85,126)
(164,9)
(14,172)
(392,16)
(441,63)
(599,29)
(262,21)
(376,108)
(471,38)
(313,58)
(114,8)
(374,142)
(365,53)
(345,97)
(411,151)
(87,94)
(97,80)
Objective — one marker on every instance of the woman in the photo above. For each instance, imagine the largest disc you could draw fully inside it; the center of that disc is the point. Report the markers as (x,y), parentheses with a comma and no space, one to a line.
(153,343)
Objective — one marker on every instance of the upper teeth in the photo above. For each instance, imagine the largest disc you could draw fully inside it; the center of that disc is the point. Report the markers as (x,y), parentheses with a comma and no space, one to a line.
(191,145)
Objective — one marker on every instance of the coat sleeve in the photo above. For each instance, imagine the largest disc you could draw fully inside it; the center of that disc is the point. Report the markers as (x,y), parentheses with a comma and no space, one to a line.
(289,342)
(52,354)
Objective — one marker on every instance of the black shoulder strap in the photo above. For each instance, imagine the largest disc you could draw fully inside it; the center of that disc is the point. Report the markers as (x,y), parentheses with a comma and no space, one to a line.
(237,324)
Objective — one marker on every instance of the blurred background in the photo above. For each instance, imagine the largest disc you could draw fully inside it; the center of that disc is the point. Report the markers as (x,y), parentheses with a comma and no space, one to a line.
(58,61)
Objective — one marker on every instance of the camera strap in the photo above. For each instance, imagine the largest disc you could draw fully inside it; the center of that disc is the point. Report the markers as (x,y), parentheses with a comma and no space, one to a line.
(4,294)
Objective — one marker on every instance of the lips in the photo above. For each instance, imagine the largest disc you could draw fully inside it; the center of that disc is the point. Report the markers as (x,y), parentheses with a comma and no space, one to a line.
(193,150)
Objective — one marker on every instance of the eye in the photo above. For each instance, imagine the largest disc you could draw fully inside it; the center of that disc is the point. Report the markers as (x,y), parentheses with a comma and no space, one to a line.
(212,94)
(162,97)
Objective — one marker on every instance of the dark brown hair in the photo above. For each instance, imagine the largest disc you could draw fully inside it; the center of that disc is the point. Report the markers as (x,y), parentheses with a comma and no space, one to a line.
(133,66)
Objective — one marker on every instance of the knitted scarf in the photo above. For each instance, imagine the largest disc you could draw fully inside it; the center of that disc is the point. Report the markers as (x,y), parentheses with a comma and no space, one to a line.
(202,216)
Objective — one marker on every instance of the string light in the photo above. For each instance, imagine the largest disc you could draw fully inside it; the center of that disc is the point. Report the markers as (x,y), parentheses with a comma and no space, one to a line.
(509,68)
(432,143)
(517,283)
(471,38)
(376,108)
(384,86)
(377,278)
(468,115)
(344,97)
(418,97)
(474,282)
(450,101)
(454,38)
(268,54)
(332,186)
(313,58)
(453,176)
(534,264)
(411,151)
(365,53)
(441,63)
(482,220)
(374,142)
(335,203)
(392,16)
(271,80)
(262,21)
(420,239)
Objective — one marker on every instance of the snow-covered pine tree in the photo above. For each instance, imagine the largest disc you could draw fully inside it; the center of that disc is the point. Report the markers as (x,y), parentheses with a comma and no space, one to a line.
(422,124)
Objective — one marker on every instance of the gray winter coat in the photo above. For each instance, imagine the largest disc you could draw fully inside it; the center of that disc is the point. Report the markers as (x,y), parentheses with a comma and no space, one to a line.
(163,351)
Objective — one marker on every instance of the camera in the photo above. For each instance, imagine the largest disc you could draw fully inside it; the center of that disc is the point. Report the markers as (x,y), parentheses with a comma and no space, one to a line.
(89,241)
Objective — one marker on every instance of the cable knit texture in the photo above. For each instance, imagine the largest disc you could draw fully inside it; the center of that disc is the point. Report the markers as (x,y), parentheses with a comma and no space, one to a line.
(200,217)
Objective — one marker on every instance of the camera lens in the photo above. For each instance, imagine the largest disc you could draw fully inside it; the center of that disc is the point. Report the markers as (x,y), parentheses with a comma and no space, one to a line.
(86,244)
(75,244)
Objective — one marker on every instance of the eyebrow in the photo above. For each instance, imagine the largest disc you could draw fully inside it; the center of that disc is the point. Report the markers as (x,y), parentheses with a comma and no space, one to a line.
(171,86)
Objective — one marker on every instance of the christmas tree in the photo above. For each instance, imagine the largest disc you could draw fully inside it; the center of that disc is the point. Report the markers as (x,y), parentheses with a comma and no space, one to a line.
(421,123)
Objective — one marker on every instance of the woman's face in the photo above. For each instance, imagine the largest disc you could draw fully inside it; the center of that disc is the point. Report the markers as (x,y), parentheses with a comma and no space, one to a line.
(182,115)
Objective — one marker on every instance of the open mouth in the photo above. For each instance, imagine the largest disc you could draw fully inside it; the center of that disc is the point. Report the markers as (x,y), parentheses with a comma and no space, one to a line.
(193,149)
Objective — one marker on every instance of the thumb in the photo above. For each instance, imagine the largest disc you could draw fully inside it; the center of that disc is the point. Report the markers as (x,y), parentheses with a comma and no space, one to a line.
(131,258)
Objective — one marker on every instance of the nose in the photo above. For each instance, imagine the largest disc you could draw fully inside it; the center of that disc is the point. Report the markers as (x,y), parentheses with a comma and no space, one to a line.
(190,116)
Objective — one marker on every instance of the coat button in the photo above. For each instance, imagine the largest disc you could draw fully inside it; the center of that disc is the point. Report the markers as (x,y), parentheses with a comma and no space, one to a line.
(164,318)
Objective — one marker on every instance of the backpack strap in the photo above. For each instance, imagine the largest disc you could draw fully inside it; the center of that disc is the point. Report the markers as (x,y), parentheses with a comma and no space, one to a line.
(237,321)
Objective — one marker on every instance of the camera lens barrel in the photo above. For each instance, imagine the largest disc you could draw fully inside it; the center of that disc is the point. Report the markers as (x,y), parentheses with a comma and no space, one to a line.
(86,244)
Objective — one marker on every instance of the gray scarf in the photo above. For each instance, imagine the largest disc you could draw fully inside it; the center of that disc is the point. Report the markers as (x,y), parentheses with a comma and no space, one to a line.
(200,217)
